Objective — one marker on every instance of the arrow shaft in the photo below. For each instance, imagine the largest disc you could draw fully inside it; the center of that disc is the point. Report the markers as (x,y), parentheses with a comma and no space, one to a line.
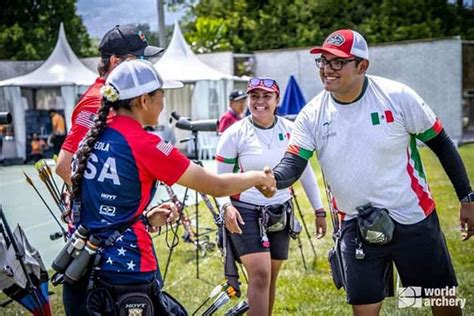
(44,202)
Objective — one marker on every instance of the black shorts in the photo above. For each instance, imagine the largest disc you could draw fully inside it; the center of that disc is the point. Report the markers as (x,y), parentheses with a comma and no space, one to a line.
(250,240)
(419,252)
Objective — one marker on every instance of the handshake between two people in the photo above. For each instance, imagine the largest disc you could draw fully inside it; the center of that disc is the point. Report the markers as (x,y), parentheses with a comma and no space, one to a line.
(167,213)
(268,188)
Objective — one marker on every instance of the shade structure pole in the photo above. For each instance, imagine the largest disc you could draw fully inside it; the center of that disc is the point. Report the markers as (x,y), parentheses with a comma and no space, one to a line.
(161,23)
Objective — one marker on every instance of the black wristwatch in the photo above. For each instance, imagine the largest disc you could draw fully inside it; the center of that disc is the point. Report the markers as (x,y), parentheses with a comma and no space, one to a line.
(468,198)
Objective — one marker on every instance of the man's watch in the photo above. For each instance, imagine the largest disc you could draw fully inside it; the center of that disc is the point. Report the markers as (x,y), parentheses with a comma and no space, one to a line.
(468,198)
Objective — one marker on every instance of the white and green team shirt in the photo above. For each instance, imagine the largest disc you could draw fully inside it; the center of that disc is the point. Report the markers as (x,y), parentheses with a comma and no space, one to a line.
(367,149)
(243,147)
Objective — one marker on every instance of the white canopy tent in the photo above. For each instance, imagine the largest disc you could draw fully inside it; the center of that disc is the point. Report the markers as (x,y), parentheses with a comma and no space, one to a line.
(206,89)
(62,69)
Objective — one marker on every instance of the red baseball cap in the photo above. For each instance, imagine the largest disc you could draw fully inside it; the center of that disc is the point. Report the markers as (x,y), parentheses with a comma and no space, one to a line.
(344,43)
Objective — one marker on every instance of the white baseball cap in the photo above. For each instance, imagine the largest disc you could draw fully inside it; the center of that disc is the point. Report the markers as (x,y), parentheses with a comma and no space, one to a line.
(133,78)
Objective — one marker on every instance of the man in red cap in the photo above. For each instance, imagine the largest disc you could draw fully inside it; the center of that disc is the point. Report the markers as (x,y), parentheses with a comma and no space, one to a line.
(237,105)
(364,130)
(118,44)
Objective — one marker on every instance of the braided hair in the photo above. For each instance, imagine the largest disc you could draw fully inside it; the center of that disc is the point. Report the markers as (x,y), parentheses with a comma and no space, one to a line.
(87,145)
(94,133)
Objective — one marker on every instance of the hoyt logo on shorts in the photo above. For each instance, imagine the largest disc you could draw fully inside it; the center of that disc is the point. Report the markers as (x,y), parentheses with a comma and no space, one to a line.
(411,296)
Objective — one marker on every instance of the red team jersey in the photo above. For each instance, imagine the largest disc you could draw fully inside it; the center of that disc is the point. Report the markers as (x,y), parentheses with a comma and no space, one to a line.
(118,185)
(83,115)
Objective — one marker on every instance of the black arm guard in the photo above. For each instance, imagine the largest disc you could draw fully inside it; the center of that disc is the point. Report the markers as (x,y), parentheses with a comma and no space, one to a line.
(452,163)
(289,170)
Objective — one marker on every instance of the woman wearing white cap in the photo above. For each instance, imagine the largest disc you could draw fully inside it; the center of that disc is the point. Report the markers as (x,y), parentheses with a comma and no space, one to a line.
(116,169)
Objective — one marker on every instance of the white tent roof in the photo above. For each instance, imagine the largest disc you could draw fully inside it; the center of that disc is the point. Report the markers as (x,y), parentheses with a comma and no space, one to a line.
(61,68)
(180,63)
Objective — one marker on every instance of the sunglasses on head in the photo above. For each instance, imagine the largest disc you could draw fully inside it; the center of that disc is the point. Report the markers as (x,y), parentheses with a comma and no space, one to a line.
(263,82)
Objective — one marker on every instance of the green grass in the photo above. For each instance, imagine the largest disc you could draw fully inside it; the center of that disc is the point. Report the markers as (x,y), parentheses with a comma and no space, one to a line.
(311,292)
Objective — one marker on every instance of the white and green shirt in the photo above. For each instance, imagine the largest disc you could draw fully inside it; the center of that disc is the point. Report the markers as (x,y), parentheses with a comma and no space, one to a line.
(244,146)
(367,149)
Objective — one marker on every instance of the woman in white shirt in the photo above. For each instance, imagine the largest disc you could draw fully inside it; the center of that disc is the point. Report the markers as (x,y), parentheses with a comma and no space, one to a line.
(257,141)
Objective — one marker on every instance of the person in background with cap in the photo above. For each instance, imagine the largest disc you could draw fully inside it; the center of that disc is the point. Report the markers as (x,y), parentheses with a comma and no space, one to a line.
(120,43)
(364,130)
(261,140)
(115,172)
(237,102)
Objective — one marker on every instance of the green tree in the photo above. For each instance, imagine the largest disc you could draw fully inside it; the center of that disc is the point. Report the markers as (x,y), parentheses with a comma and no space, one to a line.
(409,19)
(211,35)
(29,29)
(247,25)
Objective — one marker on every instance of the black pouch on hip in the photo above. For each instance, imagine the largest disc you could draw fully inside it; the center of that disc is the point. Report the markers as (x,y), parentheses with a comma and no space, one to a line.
(374,224)
(335,263)
(126,299)
(274,218)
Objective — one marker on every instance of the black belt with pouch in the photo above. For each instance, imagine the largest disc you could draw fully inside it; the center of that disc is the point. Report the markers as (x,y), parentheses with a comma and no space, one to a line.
(276,217)
(374,224)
